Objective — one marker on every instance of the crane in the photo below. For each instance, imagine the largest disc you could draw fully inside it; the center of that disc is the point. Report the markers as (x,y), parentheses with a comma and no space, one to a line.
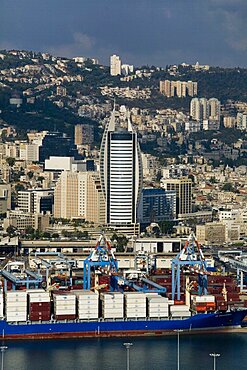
(102,259)
(191,259)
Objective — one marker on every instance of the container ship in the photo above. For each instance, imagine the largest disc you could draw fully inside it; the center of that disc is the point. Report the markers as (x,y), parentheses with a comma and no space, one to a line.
(117,304)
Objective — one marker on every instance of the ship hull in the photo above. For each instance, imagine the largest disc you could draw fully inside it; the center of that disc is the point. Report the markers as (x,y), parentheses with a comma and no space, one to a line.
(216,322)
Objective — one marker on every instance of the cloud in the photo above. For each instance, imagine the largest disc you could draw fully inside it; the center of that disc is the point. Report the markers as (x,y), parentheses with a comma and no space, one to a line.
(85,41)
(140,31)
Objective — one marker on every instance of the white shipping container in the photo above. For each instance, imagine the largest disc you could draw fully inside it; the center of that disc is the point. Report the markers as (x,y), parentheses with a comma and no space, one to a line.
(15,299)
(181,314)
(134,304)
(134,294)
(39,295)
(87,317)
(203,299)
(86,293)
(87,304)
(114,310)
(112,316)
(64,297)
(82,298)
(16,309)
(16,317)
(179,308)
(65,312)
(68,305)
(16,304)
(112,305)
(16,293)
(39,299)
(82,312)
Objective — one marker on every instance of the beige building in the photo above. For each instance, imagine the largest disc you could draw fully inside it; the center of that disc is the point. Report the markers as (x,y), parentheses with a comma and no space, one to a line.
(178,88)
(21,220)
(183,188)
(79,195)
(5,197)
(211,233)
(84,134)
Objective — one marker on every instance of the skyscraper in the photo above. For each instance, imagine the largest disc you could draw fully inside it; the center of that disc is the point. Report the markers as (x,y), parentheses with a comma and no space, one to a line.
(201,109)
(115,65)
(183,188)
(79,195)
(84,134)
(120,172)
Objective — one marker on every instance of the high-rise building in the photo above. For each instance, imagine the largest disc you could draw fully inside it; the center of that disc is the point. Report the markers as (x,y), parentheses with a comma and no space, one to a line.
(120,172)
(157,205)
(115,65)
(183,189)
(203,109)
(5,197)
(242,121)
(36,200)
(84,134)
(214,109)
(79,195)
(57,144)
(195,109)
(178,88)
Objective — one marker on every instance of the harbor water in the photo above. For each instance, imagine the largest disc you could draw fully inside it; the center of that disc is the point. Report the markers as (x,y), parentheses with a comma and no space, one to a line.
(158,353)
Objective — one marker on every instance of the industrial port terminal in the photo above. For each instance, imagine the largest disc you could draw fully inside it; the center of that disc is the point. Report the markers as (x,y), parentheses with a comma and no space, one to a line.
(48,294)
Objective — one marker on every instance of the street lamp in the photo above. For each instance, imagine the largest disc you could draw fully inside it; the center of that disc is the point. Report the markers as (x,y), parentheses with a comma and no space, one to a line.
(178,331)
(3,349)
(127,346)
(214,355)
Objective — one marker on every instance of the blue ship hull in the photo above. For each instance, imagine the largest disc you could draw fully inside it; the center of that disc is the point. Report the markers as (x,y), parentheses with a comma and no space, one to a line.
(201,322)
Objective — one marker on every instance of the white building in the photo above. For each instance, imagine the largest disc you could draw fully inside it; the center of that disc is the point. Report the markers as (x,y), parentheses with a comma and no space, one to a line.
(35,200)
(127,69)
(59,164)
(242,121)
(203,109)
(120,172)
(115,65)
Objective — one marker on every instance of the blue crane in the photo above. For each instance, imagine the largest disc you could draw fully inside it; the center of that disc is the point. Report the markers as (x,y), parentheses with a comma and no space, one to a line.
(101,258)
(190,258)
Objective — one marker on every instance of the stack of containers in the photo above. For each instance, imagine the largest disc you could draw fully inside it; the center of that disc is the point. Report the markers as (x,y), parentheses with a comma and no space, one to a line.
(203,303)
(112,305)
(180,311)
(221,303)
(64,306)
(158,307)
(16,305)
(88,304)
(39,305)
(135,305)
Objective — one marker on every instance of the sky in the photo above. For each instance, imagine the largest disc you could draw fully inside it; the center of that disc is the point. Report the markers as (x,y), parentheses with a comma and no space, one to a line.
(142,32)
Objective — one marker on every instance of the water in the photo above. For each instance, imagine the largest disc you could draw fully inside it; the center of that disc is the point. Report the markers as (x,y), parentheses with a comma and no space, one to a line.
(146,354)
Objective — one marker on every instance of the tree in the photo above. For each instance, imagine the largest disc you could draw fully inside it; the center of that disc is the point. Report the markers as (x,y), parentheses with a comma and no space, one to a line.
(30,175)
(19,187)
(10,161)
(11,230)
(29,230)
(166,227)
(228,187)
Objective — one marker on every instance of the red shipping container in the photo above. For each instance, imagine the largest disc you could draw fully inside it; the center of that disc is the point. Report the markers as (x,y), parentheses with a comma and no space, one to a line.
(200,308)
(37,317)
(42,305)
